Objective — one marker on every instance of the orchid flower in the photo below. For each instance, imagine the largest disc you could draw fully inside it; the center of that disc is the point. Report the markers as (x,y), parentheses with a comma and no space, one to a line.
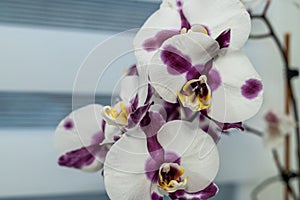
(129,111)
(192,56)
(83,139)
(278,126)
(172,159)
(193,68)
(180,16)
(85,136)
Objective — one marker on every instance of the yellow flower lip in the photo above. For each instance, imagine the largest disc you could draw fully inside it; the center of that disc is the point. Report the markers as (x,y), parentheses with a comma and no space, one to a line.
(195,94)
(117,114)
(170,177)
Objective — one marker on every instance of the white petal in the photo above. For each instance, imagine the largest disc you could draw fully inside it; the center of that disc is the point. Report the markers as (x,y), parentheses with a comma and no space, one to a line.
(198,152)
(143,85)
(166,18)
(219,15)
(126,186)
(124,168)
(86,123)
(191,45)
(229,102)
(129,88)
(110,133)
(129,154)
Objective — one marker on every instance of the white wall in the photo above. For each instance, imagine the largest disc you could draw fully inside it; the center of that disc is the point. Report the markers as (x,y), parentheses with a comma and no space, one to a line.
(48,60)
(29,167)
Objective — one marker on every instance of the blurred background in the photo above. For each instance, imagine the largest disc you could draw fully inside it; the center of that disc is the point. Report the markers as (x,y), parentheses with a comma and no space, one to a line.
(42,46)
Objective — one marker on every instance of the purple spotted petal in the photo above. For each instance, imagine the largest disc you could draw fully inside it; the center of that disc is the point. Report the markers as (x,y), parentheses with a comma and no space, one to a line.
(226,126)
(150,125)
(214,79)
(184,22)
(172,111)
(222,126)
(149,94)
(99,136)
(212,131)
(154,43)
(205,194)
(176,61)
(151,169)
(206,68)
(251,88)
(136,116)
(213,76)
(156,196)
(82,157)
(224,39)
(171,157)
(193,73)
(132,71)
(68,124)
(133,104)
(152,166)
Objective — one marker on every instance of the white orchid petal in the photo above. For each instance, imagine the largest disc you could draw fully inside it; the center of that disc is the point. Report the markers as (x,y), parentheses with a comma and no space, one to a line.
(190,45)
(129,154)
(239,97)
(129,88)
(77,139)
(220,15)
(198,152)
(84,125)
(111,134)
(160,25)
(126,186)
(143,85)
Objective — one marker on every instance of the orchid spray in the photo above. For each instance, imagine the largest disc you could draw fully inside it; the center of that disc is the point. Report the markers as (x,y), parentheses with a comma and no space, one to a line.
(191,83)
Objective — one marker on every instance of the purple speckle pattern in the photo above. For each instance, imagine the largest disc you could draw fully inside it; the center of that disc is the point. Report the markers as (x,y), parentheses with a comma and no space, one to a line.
(176,61)
(98,138)
(133,104)
(193,73)
(205,194)
(152,166)
(179,3)
(150,125)
(137,115)
(77,158)
(68,124)
(155,42)
(172,111)
(251,88)
(214,79)
(132,71)
(149,94)
(224,38)
(184,22)
(116,138)
(226,126)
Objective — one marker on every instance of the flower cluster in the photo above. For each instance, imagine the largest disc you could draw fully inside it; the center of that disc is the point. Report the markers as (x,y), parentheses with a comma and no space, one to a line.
(190,84)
